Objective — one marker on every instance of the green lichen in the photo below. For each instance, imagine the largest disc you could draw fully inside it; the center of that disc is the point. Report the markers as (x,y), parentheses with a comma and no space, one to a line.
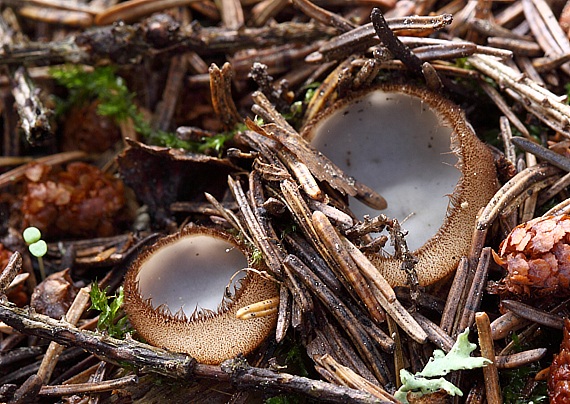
(458,358)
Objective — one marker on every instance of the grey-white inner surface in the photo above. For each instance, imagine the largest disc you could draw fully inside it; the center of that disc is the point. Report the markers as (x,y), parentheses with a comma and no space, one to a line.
(395,144)
(191,272)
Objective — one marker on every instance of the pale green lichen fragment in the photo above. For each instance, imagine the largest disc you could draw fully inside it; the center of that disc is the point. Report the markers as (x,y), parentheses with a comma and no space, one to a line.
(423,386)
(458,358)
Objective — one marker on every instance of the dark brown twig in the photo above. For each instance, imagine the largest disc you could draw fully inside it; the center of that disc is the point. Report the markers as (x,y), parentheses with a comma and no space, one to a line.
(342,314)
(507,323)
(220,88)
(533,314)
(398,49)
(85,388)
(434,332)
(170,364)
(361,38)
(519,359)
(505,108)
(541,152)
(324,16)
(260,238)
(128,43)
(513,191)
(454,296)
(475,294)
(492,386)
(80,303)
(246,377)
(9,273)
(346,264)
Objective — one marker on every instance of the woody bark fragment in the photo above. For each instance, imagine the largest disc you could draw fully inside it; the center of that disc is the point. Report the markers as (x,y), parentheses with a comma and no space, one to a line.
(490,372)
(34,116)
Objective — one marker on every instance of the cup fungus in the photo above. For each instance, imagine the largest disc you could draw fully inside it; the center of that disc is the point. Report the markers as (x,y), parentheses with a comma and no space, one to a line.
(175,296)
(414,147)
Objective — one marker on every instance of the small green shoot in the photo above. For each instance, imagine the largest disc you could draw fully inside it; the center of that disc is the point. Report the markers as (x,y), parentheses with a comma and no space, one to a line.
(256,256)
(283,399)
(463,63)
(38,248)
(215,143)
(109,307)
(292,229)
(458,358)
(295,114)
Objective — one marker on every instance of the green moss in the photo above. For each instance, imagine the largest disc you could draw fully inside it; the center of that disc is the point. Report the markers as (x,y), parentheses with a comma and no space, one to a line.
(102,84)
(118,102)
(519,386)
(295,361)
(297,109)
(109,306)
(290,399)
(521,380)
(463,63)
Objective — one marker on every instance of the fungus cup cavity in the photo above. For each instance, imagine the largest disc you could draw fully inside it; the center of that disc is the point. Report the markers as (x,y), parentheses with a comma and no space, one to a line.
(175,295)
(416,149)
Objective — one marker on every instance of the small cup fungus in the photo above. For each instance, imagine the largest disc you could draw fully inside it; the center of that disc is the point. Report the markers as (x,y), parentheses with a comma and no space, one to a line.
(414,147)
(175,296)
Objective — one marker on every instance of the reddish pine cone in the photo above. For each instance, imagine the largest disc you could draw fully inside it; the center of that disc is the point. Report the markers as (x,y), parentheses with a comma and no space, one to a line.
(559,378)
(80,201)
(84,129)
(536,255)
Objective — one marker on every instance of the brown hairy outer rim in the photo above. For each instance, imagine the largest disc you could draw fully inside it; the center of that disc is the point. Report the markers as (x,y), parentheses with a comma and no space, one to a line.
(210,337)
(439,256)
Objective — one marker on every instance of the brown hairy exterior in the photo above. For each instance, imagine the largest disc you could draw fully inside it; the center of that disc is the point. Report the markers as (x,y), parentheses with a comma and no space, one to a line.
(209,337)
(439,256)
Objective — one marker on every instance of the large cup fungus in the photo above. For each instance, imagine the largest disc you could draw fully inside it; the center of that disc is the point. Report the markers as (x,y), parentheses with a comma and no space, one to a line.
(175,296)
(415,148)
